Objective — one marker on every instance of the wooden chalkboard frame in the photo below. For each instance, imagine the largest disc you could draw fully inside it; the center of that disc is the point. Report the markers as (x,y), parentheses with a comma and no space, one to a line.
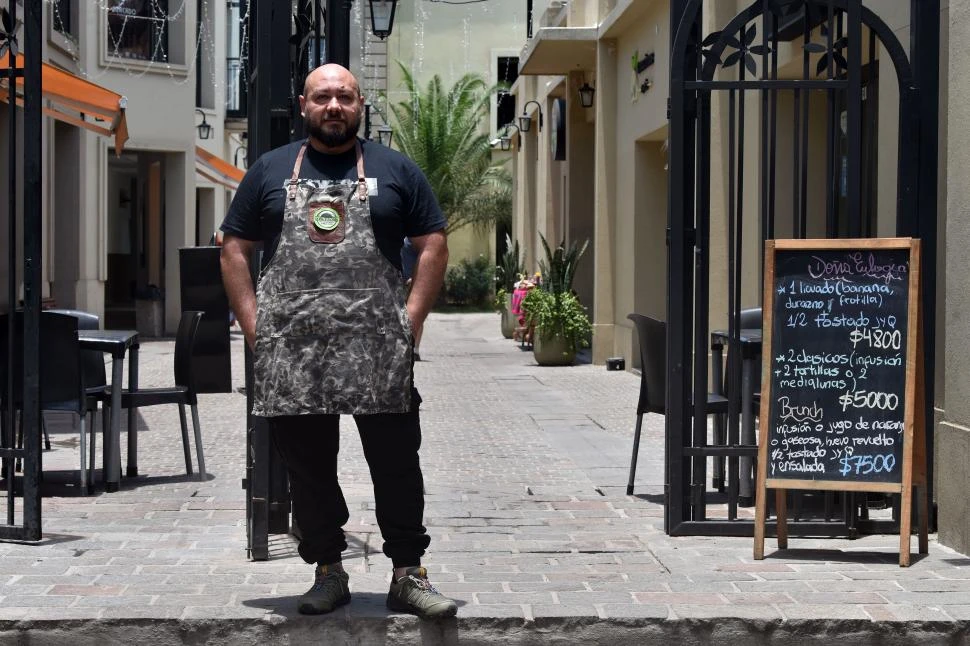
(914,435)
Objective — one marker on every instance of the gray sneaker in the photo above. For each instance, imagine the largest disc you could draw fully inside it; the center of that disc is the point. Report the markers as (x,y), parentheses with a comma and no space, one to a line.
(413,593)
(328,593)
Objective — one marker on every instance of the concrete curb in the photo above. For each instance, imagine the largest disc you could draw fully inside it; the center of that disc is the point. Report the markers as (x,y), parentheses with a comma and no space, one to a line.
(480,630)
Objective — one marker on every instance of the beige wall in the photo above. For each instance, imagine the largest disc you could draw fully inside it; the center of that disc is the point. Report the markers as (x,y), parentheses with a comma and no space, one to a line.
(640,190)
(953,432)
(451,40)
(603,312)
(579,177)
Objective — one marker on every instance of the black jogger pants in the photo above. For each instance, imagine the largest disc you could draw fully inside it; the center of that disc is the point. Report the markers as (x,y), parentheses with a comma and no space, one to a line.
(308,445)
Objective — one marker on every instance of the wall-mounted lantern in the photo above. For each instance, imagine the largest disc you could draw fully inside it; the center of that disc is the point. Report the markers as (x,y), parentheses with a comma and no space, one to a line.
(586,95)
(525,121)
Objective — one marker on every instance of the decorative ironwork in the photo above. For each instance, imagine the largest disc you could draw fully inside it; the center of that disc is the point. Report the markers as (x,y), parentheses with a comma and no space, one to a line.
(23,521)
(8,34)
(745,49)
(835,52)
(835,103)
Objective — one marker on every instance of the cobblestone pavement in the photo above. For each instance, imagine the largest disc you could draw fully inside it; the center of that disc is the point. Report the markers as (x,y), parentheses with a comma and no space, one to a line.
(532,533)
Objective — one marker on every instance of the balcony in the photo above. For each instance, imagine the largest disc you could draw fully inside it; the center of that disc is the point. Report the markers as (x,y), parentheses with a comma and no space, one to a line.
(559,50)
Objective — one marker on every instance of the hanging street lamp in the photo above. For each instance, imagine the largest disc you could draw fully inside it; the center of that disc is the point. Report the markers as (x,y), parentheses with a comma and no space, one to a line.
(382,17)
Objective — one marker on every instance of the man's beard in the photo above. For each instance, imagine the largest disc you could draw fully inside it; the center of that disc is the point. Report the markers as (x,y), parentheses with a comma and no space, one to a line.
(333,138)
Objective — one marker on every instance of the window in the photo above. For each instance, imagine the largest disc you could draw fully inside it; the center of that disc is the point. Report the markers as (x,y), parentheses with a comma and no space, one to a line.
(63,16)
(508,72)
(237,19)
(205,82)
(138,29)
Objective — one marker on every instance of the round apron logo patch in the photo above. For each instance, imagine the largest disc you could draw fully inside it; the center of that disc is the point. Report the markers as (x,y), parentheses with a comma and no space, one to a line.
(326,218)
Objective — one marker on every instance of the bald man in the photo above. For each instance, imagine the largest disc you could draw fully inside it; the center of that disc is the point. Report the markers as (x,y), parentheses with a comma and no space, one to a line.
(332,331)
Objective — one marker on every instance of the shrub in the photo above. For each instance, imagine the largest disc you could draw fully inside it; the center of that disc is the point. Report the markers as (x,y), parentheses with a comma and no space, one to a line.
(469,283)
(558,314)
(510,266)
(560,264)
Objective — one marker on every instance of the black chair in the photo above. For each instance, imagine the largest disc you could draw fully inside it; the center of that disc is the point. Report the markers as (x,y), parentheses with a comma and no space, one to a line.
(749,319)
(92,361)
(652,338)
(182,393)
(92,367)
(62,386)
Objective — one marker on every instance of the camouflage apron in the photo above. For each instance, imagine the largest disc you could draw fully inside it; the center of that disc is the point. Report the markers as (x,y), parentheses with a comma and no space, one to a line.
(332,330)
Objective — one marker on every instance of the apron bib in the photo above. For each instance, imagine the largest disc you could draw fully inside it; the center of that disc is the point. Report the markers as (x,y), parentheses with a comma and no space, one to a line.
(332,330)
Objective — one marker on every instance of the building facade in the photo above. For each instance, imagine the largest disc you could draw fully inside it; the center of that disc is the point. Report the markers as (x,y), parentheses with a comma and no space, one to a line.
(113,223)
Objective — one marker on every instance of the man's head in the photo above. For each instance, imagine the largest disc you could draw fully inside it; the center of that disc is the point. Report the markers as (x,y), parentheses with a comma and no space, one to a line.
(332,106)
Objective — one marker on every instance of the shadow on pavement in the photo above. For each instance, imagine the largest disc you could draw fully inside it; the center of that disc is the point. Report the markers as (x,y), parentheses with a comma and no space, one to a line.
(839,556)
(362,604)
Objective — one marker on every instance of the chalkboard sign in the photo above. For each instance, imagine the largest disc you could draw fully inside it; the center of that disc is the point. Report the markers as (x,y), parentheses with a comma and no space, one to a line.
(839,361)
(838,364)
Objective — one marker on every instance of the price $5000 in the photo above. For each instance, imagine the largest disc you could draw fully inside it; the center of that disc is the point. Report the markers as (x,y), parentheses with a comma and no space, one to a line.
(869,399)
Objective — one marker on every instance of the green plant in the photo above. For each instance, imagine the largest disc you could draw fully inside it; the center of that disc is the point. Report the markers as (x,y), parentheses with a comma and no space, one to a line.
(445,133)
(560,314)
(469,282)
(559,266)
(510,266)
(500,300)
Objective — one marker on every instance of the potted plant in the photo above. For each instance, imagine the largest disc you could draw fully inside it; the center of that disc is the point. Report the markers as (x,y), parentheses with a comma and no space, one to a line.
(560,325)
(503,305)
(508,271)
(559,320)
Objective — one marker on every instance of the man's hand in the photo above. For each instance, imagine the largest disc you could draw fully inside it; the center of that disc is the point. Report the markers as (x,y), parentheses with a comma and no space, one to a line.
(429,275)
(236,278)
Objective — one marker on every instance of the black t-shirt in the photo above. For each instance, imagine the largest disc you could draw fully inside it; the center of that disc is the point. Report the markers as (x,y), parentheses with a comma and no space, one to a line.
(404,205)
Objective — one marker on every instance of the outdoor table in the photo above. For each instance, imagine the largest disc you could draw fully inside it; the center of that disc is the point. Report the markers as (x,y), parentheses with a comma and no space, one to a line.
(117,342)
(750,341)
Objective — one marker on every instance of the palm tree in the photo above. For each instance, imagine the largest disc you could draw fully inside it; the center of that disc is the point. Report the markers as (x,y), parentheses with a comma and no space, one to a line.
(442,132)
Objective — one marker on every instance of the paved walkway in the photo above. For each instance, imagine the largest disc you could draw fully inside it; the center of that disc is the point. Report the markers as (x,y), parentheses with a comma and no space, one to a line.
(531,532)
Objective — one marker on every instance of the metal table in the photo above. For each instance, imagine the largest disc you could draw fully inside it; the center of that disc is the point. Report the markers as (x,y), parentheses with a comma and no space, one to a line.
(750,341)
(117,343)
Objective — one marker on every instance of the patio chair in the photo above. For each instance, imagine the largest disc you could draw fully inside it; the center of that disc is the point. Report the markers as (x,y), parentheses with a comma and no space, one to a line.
(95,375)
(62,386)
(750,319)
(652,338)
(183,392)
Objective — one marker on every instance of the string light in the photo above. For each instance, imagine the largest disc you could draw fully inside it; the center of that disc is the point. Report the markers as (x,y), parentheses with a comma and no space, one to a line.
(204,42)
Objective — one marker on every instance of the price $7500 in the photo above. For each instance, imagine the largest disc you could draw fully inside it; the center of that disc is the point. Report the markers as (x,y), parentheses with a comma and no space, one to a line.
(864,464)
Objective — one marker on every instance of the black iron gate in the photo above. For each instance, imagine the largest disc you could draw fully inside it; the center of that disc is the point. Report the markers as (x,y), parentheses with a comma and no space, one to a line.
(795,81)
(21,491)
(284,46)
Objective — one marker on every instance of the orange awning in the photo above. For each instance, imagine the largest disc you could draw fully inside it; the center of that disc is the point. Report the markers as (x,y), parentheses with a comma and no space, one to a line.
(216,169)
(76,101)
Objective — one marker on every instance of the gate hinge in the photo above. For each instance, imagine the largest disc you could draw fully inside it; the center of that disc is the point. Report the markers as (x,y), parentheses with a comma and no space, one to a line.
(668,108)
(690,236)
(245,484)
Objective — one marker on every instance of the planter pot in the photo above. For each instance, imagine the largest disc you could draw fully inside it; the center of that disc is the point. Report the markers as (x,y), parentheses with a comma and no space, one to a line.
(553,351)
(508,319)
